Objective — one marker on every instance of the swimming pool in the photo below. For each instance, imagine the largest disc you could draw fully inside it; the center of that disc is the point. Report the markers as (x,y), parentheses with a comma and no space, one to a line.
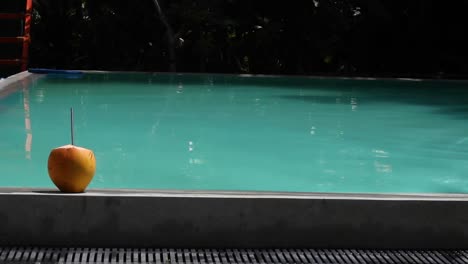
(224,132)
(236,132)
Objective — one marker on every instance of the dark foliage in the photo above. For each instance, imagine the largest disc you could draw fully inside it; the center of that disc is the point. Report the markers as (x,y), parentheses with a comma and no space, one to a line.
(344,37)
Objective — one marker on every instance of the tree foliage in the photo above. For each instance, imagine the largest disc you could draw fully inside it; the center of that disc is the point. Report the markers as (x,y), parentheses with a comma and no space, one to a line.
(336,37)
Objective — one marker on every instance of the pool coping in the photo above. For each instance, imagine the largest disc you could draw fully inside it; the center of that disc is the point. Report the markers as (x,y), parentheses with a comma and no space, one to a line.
(222,219)
(12,83)
(4,191)
(319,77)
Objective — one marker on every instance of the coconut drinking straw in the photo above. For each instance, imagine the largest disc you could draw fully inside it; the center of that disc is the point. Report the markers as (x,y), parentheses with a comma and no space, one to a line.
(71,125)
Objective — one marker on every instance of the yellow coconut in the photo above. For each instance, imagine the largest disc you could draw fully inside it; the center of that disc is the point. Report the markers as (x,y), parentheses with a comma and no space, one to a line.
(71,168)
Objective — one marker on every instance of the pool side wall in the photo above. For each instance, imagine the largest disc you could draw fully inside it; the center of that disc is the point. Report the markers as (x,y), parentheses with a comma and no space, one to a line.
(242,221)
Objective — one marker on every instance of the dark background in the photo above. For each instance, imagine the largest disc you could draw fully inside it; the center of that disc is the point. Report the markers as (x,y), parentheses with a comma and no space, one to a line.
(378,38)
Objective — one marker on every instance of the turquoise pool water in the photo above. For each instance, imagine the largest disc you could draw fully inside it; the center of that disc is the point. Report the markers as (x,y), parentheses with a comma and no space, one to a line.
(243,133)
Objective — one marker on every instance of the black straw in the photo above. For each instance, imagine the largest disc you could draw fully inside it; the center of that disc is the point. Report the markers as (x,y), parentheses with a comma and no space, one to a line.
(71,124)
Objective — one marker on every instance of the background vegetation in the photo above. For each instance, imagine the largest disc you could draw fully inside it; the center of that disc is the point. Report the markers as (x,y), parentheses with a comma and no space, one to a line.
(409,38)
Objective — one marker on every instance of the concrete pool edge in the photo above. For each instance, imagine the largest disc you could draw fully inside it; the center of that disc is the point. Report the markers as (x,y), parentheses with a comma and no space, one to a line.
(323,77)
(15,82)
(187,219)
(28,74)
(239,194)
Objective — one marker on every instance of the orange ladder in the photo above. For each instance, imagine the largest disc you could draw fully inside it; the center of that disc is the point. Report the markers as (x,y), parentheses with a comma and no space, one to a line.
(24,40)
